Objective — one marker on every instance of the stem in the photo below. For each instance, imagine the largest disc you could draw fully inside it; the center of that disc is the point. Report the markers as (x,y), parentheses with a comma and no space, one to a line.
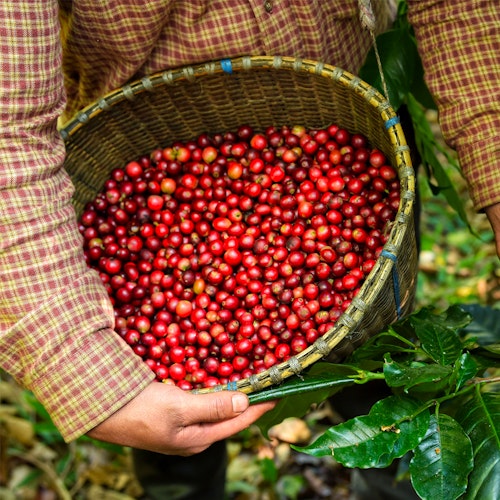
(51,474)
(472,384)
(393,333)
(404,340)
(364,377)
(483,380)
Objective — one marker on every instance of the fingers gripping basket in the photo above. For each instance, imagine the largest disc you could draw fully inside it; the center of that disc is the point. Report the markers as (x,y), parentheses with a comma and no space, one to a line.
(260,91)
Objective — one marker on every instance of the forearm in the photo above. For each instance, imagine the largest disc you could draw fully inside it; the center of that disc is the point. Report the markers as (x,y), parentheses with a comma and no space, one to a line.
(56,321)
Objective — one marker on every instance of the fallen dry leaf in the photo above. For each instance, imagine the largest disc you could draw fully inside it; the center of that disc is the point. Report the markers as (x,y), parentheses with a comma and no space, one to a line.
(19,429)
(292,430)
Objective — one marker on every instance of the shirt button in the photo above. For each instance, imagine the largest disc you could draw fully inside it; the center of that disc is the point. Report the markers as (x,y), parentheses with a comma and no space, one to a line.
(268,5)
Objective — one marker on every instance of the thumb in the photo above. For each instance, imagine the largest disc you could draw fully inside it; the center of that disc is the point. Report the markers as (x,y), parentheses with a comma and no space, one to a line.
(214,407)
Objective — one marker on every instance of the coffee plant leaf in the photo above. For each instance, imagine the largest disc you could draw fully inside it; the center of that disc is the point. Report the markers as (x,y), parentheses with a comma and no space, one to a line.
(320,378)
(296,395)
(399,60)
(484,329)
(269,470)
(466,368)
(442,460)
(480,419)
(493,349)
(401,63)
(428,147)
(455,318)
(377,346)
(358,442)
(393,427)
(438,333)
(408,375)
(302,385)
(413,425)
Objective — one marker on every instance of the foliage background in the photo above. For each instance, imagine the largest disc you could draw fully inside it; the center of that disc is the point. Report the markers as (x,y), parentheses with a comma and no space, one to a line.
(458,264)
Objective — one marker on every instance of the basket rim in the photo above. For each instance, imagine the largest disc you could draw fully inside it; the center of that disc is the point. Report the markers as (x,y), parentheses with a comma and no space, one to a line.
(385,266)
(228,66)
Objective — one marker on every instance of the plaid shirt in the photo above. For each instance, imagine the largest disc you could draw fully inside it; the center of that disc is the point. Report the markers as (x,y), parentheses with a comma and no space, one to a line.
(56,321)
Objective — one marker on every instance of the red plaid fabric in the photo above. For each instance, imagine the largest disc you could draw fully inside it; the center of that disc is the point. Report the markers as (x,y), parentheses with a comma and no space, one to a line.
(109,43)
(56,321)
(459,42)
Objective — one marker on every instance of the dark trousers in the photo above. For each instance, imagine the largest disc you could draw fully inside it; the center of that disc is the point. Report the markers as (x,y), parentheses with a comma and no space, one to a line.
(167,477)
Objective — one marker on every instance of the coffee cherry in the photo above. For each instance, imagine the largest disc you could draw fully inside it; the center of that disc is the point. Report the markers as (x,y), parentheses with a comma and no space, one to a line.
(227,254)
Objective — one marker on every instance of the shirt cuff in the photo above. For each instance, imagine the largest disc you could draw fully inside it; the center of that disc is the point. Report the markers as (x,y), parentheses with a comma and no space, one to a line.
(480,163)
(92,373)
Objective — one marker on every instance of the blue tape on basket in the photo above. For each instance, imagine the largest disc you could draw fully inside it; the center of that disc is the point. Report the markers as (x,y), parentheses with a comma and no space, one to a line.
(391,122)
(395,280)
(232,386)
(226,65)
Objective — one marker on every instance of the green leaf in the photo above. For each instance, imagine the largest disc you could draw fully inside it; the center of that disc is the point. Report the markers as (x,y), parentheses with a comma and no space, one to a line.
(359,442)
(29,479)
(393,427)
(377,346)
(442,345)
(442,461)
(35,405)
(427,146)
(454,318)
(398,55)
(414,374)
(466,368)
(484,328)
(269,470)
(314,382)
(401,62)
(63,464)
(438,333)
(480,418)
(419,89)
(290,486)
(48,433)
(297,394)
(413,425)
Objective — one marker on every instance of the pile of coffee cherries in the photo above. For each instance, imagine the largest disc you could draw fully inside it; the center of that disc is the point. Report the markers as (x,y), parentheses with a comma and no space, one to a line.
(229,253)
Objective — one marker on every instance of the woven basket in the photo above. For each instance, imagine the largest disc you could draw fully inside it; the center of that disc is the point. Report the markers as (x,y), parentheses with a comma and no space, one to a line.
(260,91)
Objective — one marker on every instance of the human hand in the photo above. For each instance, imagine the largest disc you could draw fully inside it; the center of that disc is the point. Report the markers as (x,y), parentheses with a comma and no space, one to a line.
(169,420)
(493,213)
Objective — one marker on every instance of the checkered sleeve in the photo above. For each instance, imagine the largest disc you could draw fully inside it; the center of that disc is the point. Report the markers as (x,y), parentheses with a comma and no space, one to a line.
(459,42)
(107,44)
(56,321)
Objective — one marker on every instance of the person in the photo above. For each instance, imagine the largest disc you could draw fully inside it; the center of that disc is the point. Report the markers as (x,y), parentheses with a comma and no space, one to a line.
(56,322)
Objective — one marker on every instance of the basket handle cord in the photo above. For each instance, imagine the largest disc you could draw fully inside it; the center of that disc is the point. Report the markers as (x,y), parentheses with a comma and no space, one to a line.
(369,22)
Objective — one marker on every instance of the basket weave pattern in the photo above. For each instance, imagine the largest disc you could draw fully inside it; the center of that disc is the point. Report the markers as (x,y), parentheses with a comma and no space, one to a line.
(178,105)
